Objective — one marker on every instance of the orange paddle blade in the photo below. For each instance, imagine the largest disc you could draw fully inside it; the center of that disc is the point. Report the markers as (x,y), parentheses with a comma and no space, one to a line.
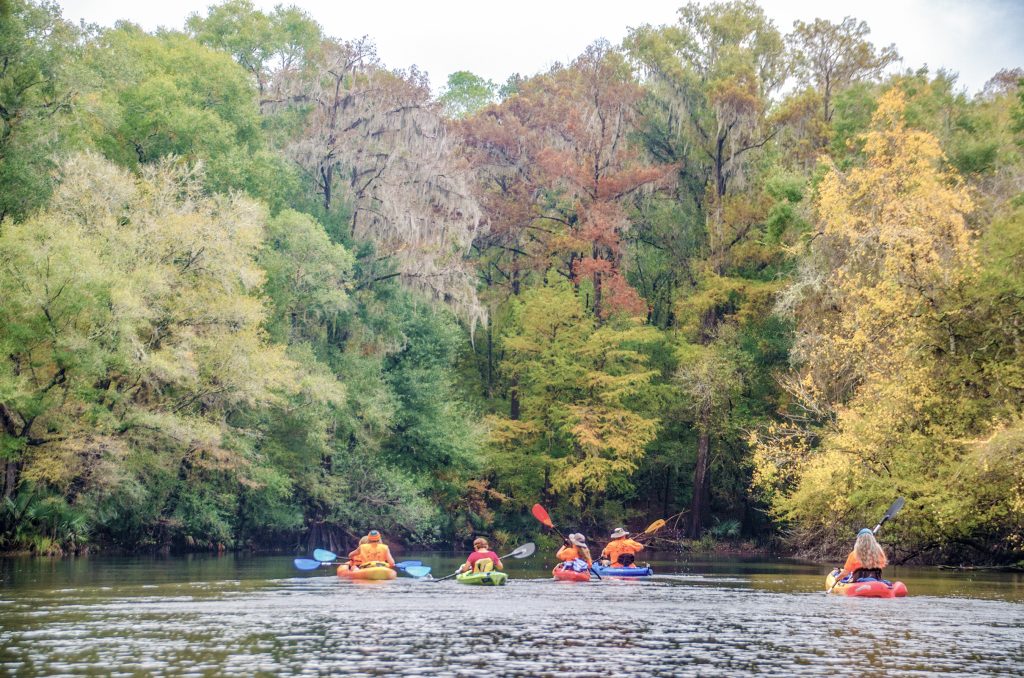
(655,526)
(540,514)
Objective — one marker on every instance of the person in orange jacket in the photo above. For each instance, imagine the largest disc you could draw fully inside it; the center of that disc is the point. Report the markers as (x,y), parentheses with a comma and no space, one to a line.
(621,550)
(867,558)
(575,548)
(372,551)
(574,554)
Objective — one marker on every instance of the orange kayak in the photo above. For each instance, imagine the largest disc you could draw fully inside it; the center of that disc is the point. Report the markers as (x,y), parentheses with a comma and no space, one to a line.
(371,572)
(569,574)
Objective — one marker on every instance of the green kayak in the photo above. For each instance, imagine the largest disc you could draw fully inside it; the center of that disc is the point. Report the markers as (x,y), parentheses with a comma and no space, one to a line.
(482,578)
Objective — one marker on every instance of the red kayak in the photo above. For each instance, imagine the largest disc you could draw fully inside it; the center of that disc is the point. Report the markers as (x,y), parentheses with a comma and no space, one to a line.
(568,574)
(871,588)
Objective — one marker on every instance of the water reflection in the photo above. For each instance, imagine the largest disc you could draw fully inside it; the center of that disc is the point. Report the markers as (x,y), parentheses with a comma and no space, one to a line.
(246,616)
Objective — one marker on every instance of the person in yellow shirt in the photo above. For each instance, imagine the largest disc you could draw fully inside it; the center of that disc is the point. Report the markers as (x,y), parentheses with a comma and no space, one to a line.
(373,551)
(621,550)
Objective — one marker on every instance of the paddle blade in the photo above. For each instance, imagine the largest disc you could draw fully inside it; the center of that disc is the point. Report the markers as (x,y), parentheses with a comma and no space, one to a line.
(307,564)
(895,508)
(524,551)
(542,515)
(655,526)
(407,563)
(324,556)
(417,571)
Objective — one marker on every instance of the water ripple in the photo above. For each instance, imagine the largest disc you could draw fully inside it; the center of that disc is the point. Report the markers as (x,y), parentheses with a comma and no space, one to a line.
(673,625)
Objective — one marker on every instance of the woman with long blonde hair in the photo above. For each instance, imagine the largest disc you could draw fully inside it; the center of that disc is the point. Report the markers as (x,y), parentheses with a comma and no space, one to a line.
(867,558)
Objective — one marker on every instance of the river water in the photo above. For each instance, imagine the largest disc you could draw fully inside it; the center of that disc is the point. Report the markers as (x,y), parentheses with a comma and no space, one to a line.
(257,615)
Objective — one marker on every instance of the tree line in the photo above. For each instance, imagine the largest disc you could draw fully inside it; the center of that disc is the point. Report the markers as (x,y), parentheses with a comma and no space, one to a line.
(261,290)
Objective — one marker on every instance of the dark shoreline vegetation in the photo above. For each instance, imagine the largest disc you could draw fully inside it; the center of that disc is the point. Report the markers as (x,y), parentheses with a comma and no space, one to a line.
(260,291)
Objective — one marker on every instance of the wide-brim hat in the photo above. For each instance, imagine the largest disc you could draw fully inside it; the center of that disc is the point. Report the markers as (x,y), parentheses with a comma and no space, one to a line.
(578,539)
(619,532)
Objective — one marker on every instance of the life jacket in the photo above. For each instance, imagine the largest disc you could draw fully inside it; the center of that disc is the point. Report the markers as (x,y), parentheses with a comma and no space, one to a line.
(617,547)
(574,553)
(853,563)
(483,565)
(862,573)
(373,552)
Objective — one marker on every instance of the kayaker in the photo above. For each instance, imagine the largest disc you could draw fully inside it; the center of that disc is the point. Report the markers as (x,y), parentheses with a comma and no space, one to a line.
(372,551)
(621,550)
(353,556)
(482,559)
(867,558)
(575,548)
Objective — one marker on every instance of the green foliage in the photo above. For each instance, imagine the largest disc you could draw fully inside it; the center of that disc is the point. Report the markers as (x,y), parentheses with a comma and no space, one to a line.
(578,434)
(466,93)
(153,101)
(37,88)
(209,338)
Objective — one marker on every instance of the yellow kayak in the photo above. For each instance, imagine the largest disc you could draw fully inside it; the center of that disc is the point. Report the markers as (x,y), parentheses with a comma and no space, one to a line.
(369,571)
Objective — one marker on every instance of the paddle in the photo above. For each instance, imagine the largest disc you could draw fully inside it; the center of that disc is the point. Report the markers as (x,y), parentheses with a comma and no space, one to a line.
(524,551)
(325,557)
(653,527)
(893,510)
(541,514)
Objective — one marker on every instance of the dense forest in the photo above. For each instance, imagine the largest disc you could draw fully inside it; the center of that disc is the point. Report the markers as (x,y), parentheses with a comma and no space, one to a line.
(260,290)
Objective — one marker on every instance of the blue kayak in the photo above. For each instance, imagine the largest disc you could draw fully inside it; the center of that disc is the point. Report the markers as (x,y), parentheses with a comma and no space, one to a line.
(623,571)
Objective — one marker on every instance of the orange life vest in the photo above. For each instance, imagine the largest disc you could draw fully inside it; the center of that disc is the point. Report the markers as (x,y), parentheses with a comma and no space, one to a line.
(853,562)
(568,553)
(617,547)
(373,552)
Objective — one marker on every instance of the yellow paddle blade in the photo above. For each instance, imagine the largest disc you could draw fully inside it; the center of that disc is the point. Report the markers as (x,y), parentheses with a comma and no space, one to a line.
(655,526)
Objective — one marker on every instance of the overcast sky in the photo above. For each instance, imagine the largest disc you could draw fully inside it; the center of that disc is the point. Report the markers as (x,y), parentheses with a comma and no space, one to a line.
(973,38)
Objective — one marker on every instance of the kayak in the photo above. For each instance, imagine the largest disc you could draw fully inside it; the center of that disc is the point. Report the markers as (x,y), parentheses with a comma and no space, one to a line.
(568,574)
(865,588)
(372,572)
(492,578)
(623,571)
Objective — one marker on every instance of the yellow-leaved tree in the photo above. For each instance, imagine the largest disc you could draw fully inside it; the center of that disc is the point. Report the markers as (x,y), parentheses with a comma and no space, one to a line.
(868,419)
(579,434)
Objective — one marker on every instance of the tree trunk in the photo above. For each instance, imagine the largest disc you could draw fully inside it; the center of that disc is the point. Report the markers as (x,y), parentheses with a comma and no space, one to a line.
(667,489)
(490,356)
(10,426)
(513,403)
(699,506)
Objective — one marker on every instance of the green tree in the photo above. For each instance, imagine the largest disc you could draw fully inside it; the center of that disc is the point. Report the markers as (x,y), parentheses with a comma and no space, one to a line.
(466,93)
(37,93)
(578,436)
(831,57)
(155,102)
(132,331)
(265,45)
